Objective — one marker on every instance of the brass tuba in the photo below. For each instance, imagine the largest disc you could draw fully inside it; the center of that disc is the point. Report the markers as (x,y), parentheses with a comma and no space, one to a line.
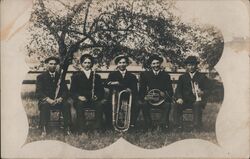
(121,110)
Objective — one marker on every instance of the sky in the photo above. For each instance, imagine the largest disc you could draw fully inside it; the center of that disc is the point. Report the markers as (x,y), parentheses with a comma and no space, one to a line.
(230,16)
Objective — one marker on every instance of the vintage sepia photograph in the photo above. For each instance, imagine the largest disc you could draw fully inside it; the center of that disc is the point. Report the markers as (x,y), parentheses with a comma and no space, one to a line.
(102,70)
(107,72)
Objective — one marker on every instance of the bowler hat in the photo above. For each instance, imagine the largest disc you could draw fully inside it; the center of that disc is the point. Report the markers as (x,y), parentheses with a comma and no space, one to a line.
(86,56)
(155,57)
(119,57)
(191,60)
(52,58)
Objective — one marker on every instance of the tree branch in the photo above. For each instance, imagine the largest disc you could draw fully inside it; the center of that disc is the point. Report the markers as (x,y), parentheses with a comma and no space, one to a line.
(86,17)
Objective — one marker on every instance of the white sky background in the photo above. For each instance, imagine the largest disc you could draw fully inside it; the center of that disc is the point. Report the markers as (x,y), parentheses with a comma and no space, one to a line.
(212,13)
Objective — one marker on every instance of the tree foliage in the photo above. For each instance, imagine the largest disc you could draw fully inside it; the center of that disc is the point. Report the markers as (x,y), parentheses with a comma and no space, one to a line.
(107,28)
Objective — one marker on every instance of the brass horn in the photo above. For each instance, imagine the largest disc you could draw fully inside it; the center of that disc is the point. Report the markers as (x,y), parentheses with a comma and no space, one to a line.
(154,97)
(121,110)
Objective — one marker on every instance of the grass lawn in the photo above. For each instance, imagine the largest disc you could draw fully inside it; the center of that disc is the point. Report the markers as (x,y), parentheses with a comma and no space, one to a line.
(93,140)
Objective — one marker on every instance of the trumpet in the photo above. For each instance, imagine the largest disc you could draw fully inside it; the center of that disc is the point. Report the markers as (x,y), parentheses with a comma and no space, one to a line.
(121,110)
(196,90)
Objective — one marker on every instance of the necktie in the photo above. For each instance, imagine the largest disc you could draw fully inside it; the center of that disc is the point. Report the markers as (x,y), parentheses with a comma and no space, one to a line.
(53,77)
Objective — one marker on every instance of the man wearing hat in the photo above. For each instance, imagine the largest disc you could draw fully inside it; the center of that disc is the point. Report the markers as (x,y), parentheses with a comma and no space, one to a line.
(120,80)
(46,87)
(190,91)
(160,80)
(87,91)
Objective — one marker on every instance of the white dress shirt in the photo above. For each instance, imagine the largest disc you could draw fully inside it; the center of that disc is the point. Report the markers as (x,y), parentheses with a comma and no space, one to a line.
(123,73)
(192,74)
(156,72)
(87,73)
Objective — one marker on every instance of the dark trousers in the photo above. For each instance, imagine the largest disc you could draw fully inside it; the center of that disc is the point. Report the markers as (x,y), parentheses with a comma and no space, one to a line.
(197,113)
(165,110)
(108,113)
(45,112)
(96,105)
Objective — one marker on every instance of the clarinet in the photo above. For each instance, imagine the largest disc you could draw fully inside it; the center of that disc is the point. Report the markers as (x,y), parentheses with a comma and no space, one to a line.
(93,96)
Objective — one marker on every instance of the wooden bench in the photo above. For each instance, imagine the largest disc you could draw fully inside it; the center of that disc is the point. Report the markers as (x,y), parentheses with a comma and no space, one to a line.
(57,118)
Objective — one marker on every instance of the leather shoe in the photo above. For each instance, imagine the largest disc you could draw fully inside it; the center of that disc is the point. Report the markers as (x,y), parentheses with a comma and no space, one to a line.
(68,132)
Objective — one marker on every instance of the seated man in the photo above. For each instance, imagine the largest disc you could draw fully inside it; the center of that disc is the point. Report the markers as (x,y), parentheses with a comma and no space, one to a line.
(190,93)
(46,88)
(160,80)
(87,91)
(122,80)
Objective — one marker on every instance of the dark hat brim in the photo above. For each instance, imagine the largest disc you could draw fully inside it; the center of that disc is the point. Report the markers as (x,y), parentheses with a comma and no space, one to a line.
(52,58)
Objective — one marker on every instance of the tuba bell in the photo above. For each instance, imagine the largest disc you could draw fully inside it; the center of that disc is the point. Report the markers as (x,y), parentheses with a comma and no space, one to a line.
(121,110)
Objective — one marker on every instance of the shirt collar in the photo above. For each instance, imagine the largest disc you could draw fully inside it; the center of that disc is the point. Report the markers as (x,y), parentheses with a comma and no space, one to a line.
(87,73)
(156,72)
(123,72)
(192,74)
(52,74)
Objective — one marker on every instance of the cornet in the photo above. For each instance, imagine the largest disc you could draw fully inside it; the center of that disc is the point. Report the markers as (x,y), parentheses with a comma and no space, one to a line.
(196,90)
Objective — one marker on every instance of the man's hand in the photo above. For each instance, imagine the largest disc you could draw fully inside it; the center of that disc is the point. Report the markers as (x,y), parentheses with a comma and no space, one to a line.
(114,83)
(146,98)
(59,100)
(200,93)
(95,98)
(104,101)
(82,98)
(179,101)
(51,101)
(162,94)
(128,89)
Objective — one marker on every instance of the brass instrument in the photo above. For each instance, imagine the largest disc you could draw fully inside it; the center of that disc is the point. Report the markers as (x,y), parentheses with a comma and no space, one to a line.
(154,97)
(196,90)
(121,110)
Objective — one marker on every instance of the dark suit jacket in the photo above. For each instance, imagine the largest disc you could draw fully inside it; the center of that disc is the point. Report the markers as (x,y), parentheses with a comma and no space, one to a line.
(162,81)
(82,86)
(184,88)
(46,87)
(129,81)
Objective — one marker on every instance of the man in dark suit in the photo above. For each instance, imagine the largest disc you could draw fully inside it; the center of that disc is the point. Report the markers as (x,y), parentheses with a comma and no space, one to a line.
(122,80)
(156,79)
(190,93)
(87,91)
(46,88)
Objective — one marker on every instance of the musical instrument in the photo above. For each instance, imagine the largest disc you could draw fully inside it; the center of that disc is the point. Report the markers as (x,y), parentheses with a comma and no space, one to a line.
(93,96)
(121,110)
(196,90)
(154,97)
